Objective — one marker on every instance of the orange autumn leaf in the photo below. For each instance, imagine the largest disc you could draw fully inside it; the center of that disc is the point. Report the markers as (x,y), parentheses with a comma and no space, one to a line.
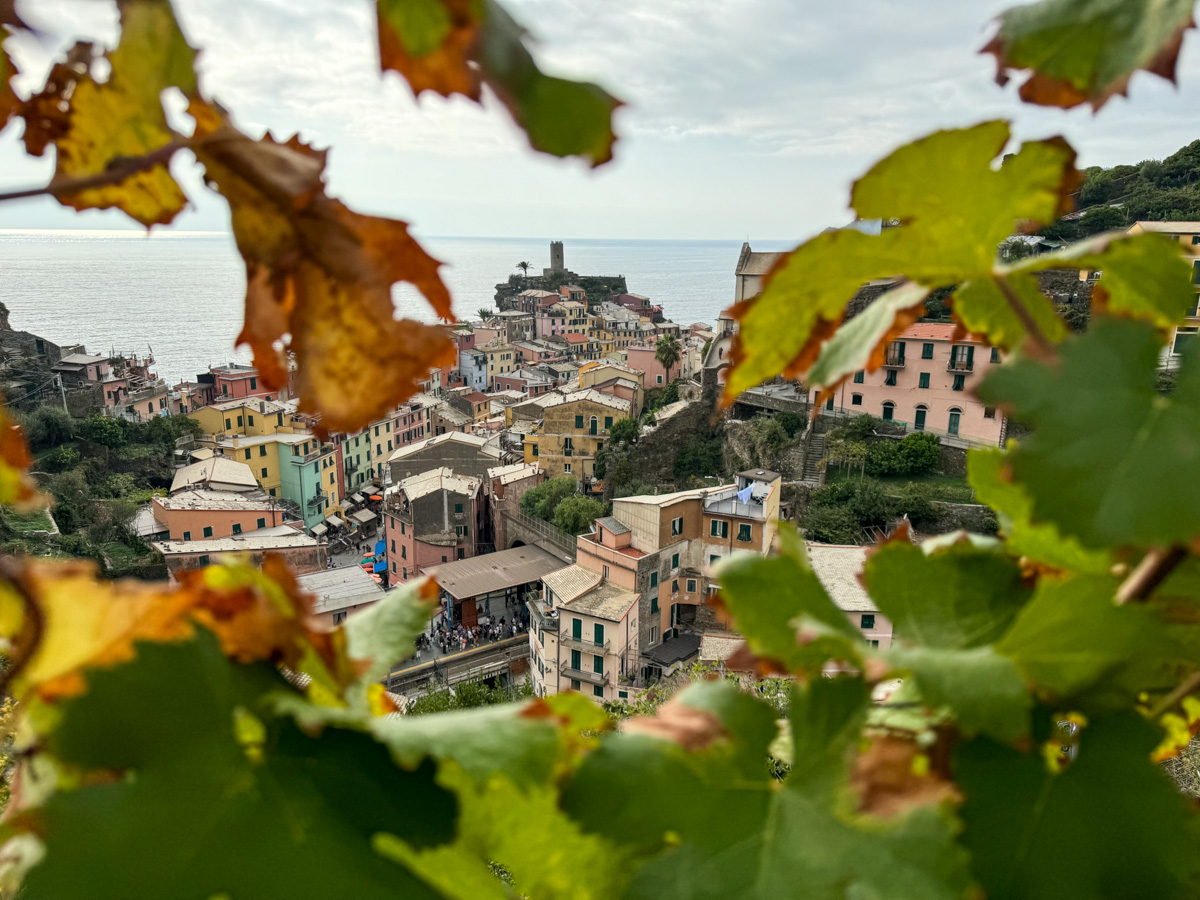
(319,279)
(893,775)
(86,622)
(434,52)
(16,487)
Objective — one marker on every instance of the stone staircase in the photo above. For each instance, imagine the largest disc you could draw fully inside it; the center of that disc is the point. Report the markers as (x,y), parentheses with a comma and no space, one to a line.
(814,468)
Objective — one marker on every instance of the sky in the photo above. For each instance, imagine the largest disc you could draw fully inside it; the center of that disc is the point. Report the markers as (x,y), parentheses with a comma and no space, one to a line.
(745,119)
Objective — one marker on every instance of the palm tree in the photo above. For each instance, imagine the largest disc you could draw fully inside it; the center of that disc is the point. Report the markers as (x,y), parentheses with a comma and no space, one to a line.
(667,352)
(484,313)
(524,267)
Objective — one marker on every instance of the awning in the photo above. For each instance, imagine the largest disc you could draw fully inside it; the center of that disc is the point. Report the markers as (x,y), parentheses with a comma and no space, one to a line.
(357,498)
(345,504)
(363,516)
(334,521)
(319,528)
(380,548)
(381,565)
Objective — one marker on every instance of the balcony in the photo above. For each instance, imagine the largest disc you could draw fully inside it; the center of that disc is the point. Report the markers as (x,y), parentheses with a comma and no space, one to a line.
(893,359)
(582,675)
(585,645)
(960,364)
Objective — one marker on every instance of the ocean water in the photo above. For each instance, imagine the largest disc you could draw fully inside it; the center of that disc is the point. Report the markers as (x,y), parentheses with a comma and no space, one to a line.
(180,294)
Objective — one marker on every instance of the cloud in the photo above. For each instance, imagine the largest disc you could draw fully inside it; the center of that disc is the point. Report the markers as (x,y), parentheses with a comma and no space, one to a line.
(744,116)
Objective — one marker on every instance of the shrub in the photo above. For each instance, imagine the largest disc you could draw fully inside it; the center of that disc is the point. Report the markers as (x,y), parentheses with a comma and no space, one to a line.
(792,423)
(702,456)
(60,459)
(831,525)
(48,426)
(837,494)
(919,453)
(102,430)
(768,438)
(858,429)
(913,503)
(871,506)
(626,430)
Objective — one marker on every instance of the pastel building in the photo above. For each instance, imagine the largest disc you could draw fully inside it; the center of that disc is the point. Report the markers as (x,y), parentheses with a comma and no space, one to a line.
(429,519)
(199,513)
(926,382)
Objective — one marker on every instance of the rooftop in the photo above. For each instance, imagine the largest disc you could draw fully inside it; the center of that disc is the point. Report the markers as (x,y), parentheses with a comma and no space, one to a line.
(571,582)
(282,537)
(336,589)
(604,601)
(756,263)
(837,568)
(218,469)
(440,479)
(936,331)
(203,498)
(475,396)
(80,359)
(233,369)
(255,404)
(1171,227)
(480,443)
(575,338)
(616,526)
(586,394)
(514,472)
(675,649)
(718,646)
(759,475)
(466,578)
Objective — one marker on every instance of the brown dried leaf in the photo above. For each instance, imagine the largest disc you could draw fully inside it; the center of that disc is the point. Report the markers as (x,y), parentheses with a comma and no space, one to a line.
(448,33)
(690,728)
(16,487)
(894,775)
(319,279)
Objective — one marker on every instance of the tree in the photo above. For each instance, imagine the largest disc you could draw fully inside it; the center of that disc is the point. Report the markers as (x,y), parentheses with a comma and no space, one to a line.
(624,430)
(524,267)
(667,351)
(541,501)
(102,430)
(484,313)
(48,426)
(575,515)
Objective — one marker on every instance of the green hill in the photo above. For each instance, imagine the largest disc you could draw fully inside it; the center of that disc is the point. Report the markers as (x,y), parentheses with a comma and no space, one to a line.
(1166,189)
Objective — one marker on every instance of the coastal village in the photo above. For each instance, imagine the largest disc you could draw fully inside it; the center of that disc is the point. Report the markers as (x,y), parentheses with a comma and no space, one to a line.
(528,479)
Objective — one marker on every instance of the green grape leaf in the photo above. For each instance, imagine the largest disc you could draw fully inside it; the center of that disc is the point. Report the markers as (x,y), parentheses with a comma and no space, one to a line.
(453,47)
(1074,642)
(985,690)
(1110,825)
(218,797)
(1097,420)
(954,208)
(766,595)
(1042,542)
(1084,51)
(982,309)
(720,833)
(1144,276)
(955,597)
(861,343)
(510,825)
(385,631)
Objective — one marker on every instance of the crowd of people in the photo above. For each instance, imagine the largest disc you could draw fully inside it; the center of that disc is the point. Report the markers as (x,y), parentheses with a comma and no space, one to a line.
(458,637)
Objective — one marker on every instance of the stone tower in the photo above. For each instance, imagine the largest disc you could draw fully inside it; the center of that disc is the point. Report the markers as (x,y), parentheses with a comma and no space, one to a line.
(556,256)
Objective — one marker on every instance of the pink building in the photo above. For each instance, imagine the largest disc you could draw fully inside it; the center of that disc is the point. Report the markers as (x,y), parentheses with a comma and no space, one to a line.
(927,382)
(429,519)
(233,382)
(531,384)
(198,514)
(409,423)
(641,357)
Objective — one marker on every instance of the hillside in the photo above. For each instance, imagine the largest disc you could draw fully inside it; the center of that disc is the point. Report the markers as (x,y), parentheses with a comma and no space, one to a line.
(1167,189)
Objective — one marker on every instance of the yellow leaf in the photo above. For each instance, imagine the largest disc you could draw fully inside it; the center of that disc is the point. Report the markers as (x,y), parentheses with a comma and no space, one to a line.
(319,279)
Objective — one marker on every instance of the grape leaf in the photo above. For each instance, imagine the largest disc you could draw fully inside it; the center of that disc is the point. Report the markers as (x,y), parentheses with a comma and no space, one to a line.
(731,835)
(956,597)
(1110,825)
(454,46)
(765,596)
(985,690)
(955,209)
(1075,644)
(862,343)
(384,632)
(982,309)
(17,488)
(1091,479)
(205,808)
(1042,542)
(123,117)
(1084,51)
(1144,275)
(321,275)
(8,99)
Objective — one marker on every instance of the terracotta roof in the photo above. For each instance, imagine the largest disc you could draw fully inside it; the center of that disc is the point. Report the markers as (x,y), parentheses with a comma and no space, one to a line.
(575,338)
(931,331)
(475,396)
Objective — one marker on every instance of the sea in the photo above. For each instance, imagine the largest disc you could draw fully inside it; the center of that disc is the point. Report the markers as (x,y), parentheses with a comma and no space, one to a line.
(180,294)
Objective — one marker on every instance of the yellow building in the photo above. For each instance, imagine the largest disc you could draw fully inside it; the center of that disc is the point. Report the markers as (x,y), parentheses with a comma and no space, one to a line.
(606,375)
(501,359)
(1188,235)
(251,416)
(574,426)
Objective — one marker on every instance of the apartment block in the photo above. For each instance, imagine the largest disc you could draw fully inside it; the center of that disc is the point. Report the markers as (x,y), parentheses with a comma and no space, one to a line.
(431,518)
(574,426)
